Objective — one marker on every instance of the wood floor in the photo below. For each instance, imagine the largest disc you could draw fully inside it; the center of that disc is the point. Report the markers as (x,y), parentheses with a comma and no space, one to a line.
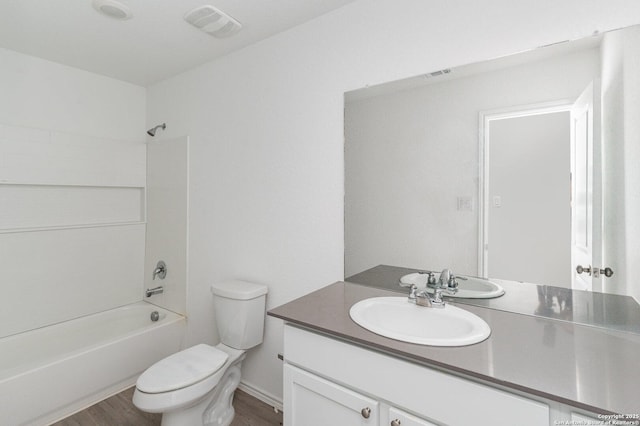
(120,411)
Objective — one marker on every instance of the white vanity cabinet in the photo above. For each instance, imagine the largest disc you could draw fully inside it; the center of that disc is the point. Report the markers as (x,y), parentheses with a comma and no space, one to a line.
(320,402)
(329,381)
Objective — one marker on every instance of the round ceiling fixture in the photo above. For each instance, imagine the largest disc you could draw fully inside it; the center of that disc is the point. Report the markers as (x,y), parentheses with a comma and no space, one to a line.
(113,9)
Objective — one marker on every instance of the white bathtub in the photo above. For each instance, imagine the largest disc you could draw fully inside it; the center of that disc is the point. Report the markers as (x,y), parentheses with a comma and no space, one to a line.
(49,373)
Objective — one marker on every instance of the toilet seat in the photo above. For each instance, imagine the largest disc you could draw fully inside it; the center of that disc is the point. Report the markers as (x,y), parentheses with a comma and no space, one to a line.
(182,369)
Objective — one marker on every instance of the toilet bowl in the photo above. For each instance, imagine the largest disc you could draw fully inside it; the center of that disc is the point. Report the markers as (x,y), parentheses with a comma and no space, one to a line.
(195,386)
(184,384)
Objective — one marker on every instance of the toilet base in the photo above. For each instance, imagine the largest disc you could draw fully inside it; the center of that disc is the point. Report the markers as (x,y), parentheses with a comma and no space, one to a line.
(214,409)
(221,412)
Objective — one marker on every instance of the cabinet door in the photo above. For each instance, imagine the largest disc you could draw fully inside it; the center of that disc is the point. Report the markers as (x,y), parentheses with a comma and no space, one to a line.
(312,401)
(401,418)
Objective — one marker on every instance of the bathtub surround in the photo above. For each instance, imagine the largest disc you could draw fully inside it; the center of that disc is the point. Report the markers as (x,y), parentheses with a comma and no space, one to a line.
(73,209)
(266,134)
(167,220)
(50,275)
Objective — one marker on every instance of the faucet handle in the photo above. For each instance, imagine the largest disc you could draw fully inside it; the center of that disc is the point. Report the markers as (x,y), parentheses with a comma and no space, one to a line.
(436,300)
(452,283)
(412,293)
(450,290)
(431,279)
(160,271)
(423,299)
(405,285)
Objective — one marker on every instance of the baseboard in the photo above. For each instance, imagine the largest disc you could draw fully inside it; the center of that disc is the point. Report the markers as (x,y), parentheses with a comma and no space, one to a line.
(262,395)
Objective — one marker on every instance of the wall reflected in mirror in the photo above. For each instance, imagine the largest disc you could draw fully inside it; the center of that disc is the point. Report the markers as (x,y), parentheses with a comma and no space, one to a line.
(520,168)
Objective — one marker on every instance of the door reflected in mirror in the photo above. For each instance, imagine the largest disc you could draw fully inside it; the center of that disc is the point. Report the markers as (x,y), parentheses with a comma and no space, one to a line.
(522,168)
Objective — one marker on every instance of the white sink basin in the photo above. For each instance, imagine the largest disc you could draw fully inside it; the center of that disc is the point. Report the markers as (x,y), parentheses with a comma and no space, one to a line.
(398,319)
(468,287)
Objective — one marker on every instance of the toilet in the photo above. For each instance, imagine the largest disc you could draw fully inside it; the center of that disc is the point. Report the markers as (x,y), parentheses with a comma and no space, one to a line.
(195,386)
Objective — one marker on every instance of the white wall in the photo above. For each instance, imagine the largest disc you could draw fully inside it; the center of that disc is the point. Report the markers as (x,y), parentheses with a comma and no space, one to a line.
(621,141)
(409,155)
(70,141)
(46,95)
(266,134)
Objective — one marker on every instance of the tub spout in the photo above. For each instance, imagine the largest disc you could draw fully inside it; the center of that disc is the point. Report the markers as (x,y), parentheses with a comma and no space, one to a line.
(156,290)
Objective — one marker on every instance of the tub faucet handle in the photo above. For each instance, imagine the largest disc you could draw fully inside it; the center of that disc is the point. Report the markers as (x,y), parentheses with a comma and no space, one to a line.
(160,271)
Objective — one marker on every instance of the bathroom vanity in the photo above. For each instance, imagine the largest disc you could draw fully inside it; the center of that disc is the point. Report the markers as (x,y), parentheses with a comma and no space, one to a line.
(530,371)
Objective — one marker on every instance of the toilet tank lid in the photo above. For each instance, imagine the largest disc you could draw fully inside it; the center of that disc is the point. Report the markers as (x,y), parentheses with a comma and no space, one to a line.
(239,290)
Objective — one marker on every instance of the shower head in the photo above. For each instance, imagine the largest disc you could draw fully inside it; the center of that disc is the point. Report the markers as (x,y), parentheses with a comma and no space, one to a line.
(152,132)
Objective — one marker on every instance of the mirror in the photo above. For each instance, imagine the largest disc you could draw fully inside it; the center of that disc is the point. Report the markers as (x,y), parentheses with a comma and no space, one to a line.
(521,168)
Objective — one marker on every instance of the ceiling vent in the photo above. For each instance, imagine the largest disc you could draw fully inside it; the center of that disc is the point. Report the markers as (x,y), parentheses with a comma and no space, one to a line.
(213,21)
(438,73)
(112,9)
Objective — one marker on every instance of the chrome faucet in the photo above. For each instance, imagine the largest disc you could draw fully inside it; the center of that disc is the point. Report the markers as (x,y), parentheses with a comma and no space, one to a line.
(446,283)
(419,298)
(156,290)
(445,276)
(447,280)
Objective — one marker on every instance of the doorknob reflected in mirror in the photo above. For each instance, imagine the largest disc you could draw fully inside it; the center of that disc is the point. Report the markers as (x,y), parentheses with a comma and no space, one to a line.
(607,272)
(580,269)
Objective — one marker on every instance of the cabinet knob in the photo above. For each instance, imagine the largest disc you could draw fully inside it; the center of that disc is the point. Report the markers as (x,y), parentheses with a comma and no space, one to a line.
(396,422)
(366,412)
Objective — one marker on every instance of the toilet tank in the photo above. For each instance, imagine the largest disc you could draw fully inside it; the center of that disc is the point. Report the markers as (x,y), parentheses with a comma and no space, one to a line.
(240,310)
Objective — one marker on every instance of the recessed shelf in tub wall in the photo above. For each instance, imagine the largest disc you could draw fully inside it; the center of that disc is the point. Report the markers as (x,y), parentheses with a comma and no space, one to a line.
(29,207)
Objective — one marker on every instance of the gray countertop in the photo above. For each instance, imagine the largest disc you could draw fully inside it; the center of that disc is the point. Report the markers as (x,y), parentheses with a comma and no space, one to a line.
(587,367)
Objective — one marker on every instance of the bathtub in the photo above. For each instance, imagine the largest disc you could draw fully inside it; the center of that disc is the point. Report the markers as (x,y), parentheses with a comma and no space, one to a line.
(51,372)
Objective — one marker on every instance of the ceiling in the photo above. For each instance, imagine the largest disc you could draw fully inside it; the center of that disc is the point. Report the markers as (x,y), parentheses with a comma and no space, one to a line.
(153,45)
